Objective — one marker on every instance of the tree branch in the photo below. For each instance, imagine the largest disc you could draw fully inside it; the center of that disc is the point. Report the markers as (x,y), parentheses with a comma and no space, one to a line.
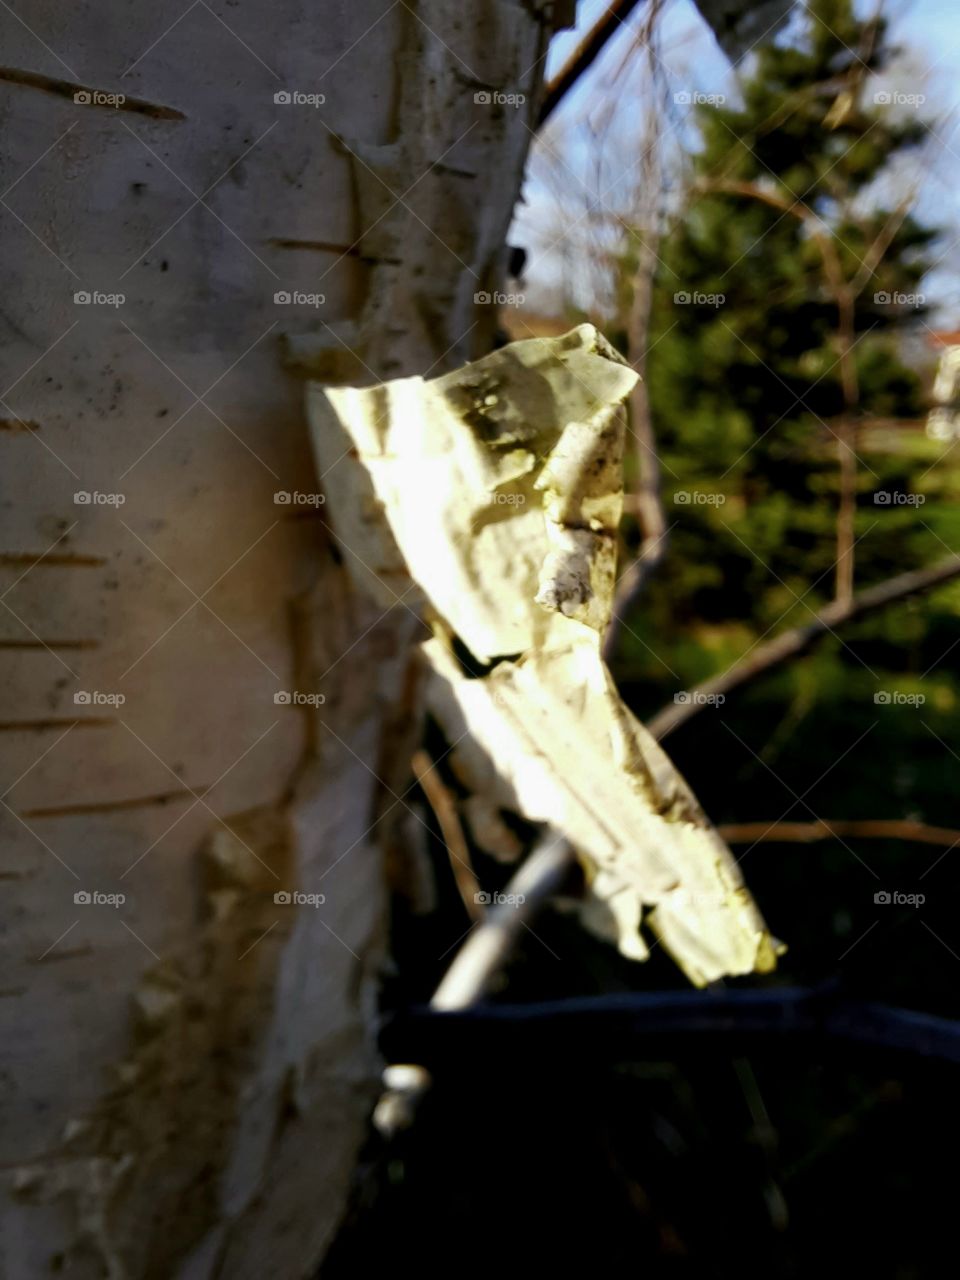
(489,945)
(648,505)
(790,644)
(564,1036)
(445,812)
(797,209)
(647,500)
(584,56)
(828,829)
(475,965)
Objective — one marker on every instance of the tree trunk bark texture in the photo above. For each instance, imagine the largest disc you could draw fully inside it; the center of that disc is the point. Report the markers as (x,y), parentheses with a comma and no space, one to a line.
(187,1072)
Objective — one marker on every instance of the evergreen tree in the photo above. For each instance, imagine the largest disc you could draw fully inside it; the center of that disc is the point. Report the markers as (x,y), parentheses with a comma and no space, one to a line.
(747,401)
(748,395)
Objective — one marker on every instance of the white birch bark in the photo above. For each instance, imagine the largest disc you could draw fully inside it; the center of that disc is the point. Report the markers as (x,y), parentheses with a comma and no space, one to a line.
(187,1075)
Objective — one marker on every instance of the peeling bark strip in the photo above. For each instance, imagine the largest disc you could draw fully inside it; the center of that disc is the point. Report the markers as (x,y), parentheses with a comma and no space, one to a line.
(514,558)
(88,95)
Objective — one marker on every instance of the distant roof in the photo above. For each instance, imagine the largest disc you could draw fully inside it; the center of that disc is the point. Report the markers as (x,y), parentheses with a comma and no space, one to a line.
(945,338)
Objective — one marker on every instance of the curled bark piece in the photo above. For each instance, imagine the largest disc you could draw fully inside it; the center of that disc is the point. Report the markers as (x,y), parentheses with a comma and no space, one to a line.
(498,490)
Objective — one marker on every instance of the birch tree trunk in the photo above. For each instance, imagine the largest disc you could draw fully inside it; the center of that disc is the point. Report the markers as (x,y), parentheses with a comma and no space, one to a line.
(188,1059)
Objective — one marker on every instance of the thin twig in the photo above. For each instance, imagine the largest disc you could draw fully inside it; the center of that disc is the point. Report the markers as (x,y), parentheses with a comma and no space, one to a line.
(828,829)
(445,811)
(647,502)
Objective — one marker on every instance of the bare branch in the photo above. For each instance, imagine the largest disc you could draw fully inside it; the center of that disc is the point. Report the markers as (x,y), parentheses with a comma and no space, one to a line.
(796,209)
(791,644)
(845,293)
(482,955)
(646,500)
(475,965)
(874,254)
(445,811)
(660,1025)
(584,56)
(846,449)
(829,829)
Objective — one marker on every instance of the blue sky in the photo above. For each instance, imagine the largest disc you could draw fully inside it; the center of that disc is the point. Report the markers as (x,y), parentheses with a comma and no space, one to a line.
(928,31)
